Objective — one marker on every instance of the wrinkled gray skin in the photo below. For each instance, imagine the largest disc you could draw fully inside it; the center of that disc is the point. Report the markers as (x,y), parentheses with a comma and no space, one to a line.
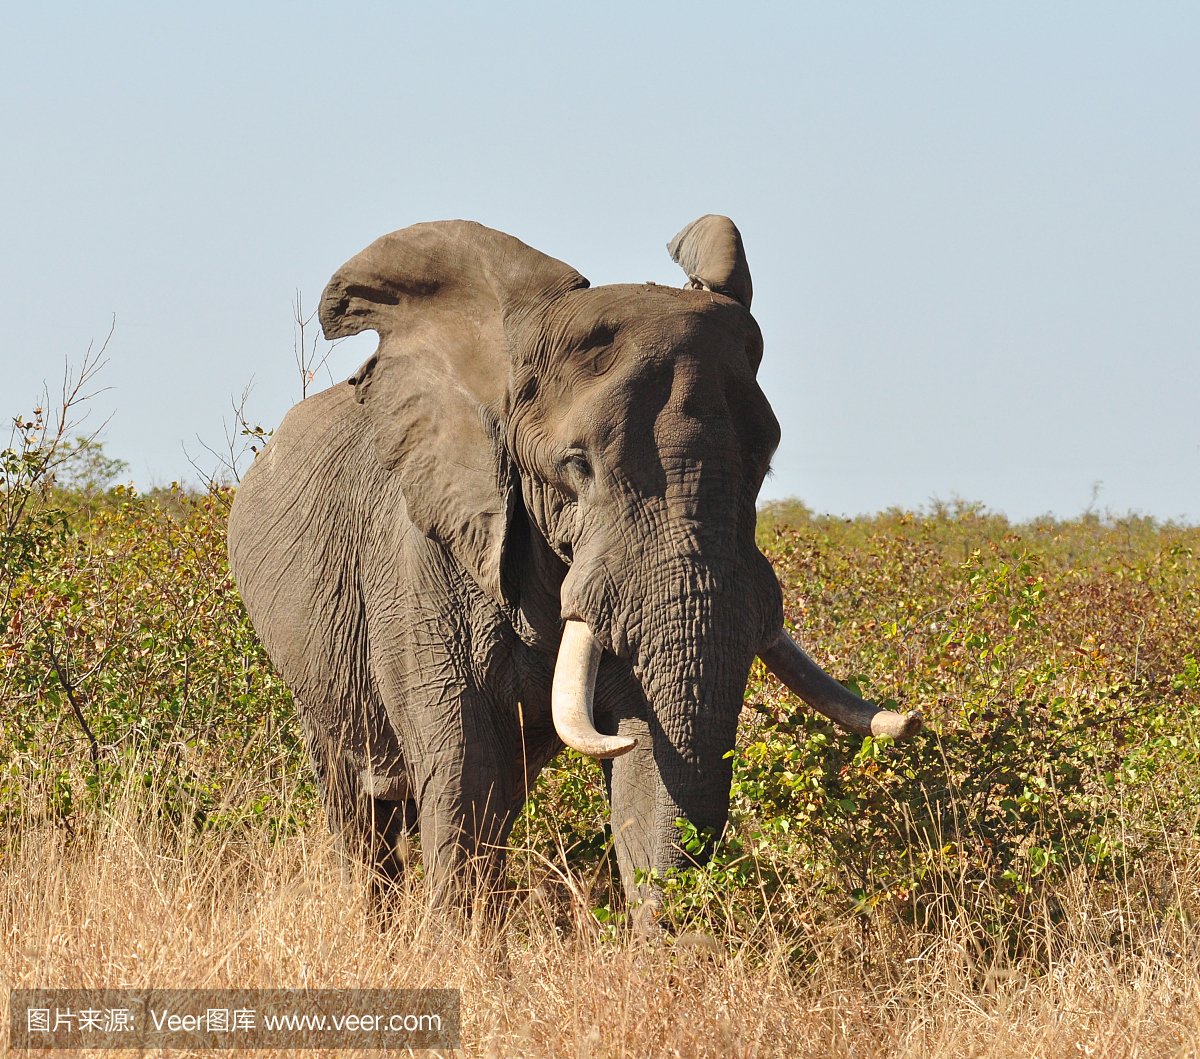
(520,450)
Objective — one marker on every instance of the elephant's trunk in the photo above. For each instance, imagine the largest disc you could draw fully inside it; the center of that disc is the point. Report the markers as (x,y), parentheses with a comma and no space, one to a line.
(811,683)
(573,691)
(690,653)
(679,770)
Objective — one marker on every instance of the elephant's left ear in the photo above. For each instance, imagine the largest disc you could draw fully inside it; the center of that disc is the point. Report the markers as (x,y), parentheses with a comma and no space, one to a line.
(710,251)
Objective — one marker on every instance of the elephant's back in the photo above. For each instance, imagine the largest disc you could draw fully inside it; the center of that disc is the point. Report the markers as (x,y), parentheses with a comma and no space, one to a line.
(291,477)
(295,525)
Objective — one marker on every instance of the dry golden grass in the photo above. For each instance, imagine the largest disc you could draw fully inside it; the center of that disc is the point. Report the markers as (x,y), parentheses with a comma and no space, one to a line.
(133,904)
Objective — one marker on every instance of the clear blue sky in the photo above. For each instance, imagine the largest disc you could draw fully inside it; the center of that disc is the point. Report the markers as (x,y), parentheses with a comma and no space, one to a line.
(974,229)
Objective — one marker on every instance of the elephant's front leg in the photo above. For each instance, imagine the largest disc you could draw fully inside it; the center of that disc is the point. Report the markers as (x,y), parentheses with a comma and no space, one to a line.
(468,785)
(635,790)
(442,658)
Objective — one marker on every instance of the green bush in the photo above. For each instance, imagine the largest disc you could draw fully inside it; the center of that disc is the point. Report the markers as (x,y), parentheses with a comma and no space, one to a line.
(1056,666)
(126,647)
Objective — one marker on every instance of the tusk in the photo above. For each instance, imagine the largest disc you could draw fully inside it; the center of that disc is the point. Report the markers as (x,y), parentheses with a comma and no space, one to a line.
(572,693)
(790,664)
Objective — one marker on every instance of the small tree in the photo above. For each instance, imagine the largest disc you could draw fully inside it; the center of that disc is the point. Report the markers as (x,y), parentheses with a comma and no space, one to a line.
(87,469)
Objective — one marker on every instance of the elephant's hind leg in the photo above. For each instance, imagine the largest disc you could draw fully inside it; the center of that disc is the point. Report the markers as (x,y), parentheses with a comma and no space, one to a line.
(369,829)
(392,819)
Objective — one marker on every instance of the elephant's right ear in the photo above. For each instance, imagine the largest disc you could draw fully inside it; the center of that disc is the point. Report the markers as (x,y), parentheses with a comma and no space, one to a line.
(438,295)
(710,251)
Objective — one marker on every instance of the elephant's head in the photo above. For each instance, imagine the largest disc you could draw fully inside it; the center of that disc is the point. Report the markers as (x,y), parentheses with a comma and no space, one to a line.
(592,457)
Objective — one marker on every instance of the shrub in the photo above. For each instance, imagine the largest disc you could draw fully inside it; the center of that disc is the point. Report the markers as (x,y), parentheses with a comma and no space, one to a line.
(125,646)
(1056,666)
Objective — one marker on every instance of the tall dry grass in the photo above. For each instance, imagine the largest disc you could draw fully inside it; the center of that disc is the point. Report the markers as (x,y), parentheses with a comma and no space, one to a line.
(133,901)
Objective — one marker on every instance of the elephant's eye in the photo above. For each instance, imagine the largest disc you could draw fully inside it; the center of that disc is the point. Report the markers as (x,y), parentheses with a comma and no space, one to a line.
(577,465)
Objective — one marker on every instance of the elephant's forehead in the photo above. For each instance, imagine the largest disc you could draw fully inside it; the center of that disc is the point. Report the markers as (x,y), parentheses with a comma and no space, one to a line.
(648,317)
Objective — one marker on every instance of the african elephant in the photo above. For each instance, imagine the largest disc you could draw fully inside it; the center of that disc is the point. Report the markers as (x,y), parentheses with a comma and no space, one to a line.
(527,520)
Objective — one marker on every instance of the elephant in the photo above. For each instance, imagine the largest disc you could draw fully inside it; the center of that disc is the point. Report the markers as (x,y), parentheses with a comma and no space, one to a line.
(527,521)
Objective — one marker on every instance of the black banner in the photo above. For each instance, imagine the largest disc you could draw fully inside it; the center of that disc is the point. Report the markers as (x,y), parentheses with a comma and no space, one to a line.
(234,1018)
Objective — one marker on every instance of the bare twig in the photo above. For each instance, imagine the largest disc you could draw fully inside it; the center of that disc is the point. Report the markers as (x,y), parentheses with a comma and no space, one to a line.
(1137,650)
(37,445)
(69,689)
(228,469)
(241,437)
(306,358)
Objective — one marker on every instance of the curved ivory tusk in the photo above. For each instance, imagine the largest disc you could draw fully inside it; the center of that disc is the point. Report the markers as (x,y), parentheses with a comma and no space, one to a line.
(572,693)
(789,663)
